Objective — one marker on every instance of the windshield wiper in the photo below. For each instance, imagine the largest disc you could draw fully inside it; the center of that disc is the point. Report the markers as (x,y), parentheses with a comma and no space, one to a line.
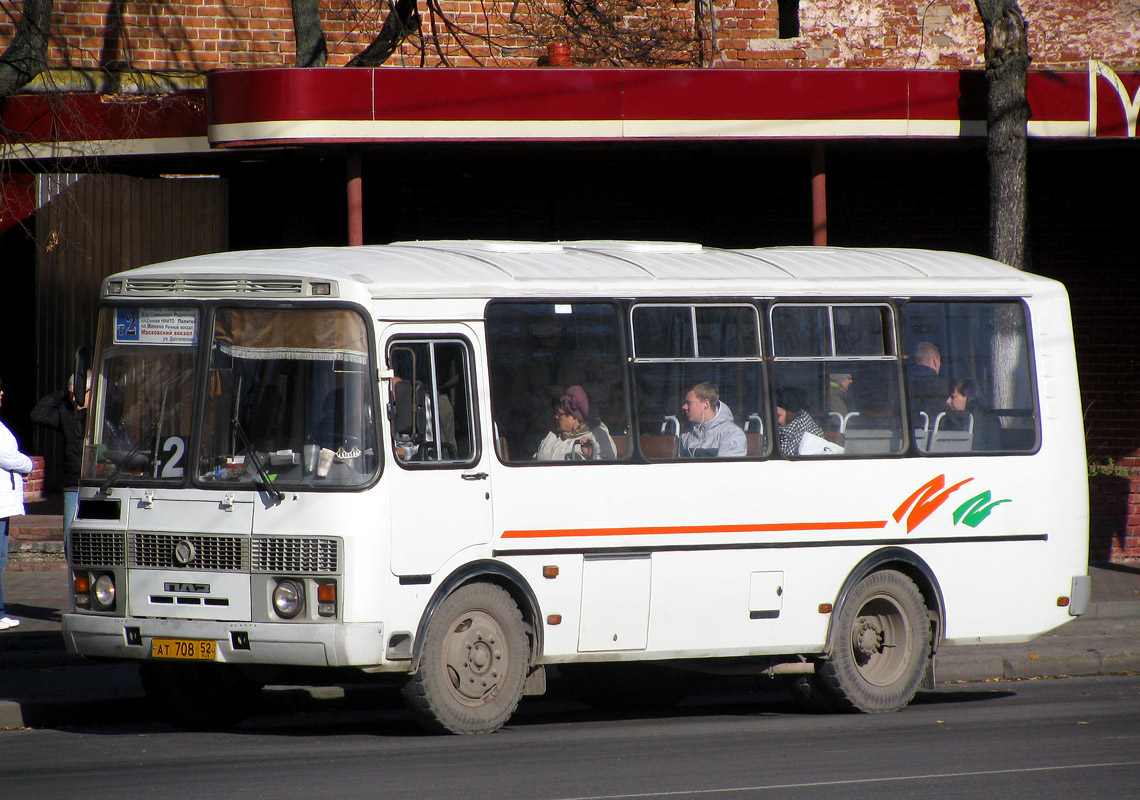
(262,475)
(134,451)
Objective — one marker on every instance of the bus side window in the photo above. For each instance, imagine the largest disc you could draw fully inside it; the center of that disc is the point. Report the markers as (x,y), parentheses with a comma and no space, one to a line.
(839,363)
(970,384)
(557,382)
(699,379)
(430,408)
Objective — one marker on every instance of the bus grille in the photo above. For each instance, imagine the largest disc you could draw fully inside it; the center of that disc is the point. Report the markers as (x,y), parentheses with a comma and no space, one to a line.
(222,285)
(97,548)
(295,554)
(198,552)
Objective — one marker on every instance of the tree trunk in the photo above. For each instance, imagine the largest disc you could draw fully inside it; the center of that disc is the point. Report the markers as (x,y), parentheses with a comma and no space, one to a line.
(1007,119)
(403,19)
(26,56)
(307,33)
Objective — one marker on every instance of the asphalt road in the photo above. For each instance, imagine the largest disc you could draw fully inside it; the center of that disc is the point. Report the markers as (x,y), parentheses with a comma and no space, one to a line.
(1063,738)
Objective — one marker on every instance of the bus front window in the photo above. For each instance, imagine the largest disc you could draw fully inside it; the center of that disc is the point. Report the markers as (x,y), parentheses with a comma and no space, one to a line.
(288,400)
(144,380)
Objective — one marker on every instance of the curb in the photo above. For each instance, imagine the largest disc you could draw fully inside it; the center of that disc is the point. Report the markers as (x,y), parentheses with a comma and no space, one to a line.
(70,713)
(36,556)
(134,708)
(1111,609)
(982,667)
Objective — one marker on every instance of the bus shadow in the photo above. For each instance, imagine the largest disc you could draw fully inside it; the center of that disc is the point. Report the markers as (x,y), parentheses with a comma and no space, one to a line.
(959,694)
(370,710)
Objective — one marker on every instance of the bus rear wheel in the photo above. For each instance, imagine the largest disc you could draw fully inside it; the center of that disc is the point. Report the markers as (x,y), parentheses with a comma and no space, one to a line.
(880,648)
(473,664)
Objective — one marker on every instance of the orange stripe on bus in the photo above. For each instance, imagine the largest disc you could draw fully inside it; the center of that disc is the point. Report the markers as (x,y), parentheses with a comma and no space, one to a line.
(757,528)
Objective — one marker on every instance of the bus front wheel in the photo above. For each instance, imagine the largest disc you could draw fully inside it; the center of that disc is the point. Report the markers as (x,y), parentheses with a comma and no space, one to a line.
(473,664)
(881,645)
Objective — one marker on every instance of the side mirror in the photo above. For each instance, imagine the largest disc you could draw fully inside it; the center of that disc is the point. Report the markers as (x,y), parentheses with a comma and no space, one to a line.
(82,372)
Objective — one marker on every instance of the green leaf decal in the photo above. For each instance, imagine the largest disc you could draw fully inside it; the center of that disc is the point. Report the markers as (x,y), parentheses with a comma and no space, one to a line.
(975,510)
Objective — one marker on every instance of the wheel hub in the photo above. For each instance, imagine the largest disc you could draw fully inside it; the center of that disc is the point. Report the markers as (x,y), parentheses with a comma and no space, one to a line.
(475,659)
(866,638)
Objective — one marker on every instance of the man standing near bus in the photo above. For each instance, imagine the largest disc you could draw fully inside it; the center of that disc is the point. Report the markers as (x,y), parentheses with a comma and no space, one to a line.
(713,432)
(65,412)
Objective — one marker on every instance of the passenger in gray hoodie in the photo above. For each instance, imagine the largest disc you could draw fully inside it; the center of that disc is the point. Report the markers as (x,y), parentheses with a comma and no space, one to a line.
(713,432)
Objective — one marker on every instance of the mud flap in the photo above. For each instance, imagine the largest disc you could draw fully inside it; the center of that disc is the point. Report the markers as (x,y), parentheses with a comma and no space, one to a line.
(928,679)
(535,682)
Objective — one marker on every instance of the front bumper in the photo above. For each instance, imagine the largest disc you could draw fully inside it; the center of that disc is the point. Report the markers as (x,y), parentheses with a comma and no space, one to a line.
(309,645)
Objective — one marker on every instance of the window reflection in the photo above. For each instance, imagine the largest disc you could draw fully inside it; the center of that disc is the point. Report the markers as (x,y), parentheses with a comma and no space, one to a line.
(143,392)
(291,390)
(838,362)
(539,351)
(698,380)
(969,377)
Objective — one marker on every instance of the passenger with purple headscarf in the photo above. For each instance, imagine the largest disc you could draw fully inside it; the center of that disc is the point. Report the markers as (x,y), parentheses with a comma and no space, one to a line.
(576,435)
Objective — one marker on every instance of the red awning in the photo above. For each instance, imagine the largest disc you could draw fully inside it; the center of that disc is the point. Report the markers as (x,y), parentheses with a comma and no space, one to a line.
(274,107)
(279,106)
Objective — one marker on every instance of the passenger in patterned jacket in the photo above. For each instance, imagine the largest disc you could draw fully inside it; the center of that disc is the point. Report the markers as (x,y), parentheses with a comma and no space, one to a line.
(794,421)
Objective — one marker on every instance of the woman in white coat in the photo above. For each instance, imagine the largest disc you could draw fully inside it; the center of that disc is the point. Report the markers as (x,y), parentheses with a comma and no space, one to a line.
(576,436)
(14,465)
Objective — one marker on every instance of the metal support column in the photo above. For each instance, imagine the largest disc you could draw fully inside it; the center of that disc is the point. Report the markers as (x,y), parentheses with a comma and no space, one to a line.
(818,196)
(355,201)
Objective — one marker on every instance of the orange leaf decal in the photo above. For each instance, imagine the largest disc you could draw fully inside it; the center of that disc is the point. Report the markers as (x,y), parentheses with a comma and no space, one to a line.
(926,500)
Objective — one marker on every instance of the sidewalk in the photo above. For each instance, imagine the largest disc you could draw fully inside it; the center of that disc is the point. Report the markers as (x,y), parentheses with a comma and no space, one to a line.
(41,685)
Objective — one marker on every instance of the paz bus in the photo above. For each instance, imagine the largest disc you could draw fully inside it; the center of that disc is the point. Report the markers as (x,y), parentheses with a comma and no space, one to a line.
(337,459)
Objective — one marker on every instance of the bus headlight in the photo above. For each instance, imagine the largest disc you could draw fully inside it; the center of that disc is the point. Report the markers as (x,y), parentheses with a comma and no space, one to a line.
(288,598)
(104,592)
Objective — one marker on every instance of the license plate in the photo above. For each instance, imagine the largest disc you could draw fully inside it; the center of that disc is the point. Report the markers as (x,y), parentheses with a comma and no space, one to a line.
(185,649)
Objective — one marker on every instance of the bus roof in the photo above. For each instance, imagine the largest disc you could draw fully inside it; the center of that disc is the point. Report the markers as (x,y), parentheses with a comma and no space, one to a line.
(504,268)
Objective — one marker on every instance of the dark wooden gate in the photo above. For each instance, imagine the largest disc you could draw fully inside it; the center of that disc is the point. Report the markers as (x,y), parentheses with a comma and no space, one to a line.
(90,226)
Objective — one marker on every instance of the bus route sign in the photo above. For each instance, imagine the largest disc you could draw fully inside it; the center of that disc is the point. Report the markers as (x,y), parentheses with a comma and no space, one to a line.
(176,326)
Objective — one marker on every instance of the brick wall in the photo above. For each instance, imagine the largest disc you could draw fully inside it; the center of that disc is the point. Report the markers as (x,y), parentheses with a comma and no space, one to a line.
(34,482)
(895,34)
(1114,524)
(1091,248)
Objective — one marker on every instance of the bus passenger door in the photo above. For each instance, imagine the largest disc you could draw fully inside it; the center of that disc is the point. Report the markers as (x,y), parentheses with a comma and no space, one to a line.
(437,476)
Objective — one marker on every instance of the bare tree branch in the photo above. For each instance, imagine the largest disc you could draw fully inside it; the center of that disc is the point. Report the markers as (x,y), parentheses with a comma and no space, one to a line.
(403,20)
(611,32)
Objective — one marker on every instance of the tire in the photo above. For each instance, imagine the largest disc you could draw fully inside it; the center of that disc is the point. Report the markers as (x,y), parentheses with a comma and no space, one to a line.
(881,643)
(612,686)
(473,663)
(199,697)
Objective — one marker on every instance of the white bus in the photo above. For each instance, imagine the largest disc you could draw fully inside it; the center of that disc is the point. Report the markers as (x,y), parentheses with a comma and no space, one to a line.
(459,463)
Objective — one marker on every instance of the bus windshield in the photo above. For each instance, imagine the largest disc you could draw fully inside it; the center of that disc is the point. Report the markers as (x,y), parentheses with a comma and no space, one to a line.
(288,399)
(145,379)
